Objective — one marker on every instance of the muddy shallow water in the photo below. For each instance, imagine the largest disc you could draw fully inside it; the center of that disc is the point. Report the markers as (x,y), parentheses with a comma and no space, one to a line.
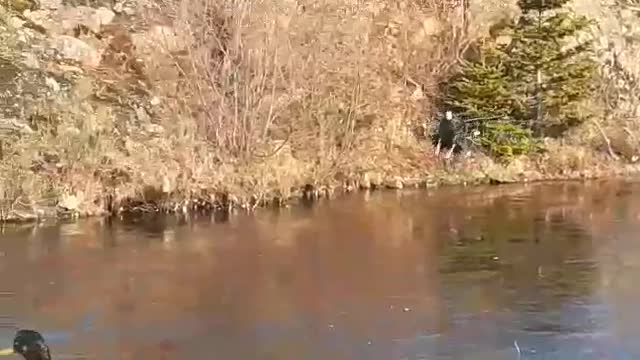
(513,272)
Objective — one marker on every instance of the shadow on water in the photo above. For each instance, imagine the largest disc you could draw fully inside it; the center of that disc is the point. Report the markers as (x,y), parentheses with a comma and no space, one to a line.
(510,272)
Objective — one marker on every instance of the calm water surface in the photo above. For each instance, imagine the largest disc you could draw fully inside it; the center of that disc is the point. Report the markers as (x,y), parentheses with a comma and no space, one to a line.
(513,272)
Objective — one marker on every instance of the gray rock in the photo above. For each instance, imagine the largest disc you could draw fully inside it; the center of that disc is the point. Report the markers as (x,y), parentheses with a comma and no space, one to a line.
(153,129)
(50,4)
(69,202)
(14,126)
(485,13)
(30,60)
(365,181)
(92,18)
(52,84)
(142,115)
(124,7)
(129,11)
(40,17)
(118,7)
(15,22)
(432,26)
(66,19)
(394,183)
(72,48)
(102,16)
(504,40)
(376,179)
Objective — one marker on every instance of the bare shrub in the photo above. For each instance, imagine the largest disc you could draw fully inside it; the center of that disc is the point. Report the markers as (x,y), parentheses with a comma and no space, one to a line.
(254,99)
(338,82)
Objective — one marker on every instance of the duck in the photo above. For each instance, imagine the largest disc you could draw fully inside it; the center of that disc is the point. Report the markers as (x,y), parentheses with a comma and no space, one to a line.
(30,345)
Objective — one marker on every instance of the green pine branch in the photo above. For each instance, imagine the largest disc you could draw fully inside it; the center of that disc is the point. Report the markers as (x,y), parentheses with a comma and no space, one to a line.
(503,82)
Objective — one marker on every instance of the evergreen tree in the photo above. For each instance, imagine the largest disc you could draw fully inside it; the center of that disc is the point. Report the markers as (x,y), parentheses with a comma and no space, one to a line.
(533,83)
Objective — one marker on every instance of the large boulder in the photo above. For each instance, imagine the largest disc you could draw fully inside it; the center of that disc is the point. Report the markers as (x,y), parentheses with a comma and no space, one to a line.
(65,20)
(73,48)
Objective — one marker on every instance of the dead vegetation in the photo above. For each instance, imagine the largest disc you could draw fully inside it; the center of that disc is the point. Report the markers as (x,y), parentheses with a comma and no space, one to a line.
(247,103)
(255,100)
(320,82)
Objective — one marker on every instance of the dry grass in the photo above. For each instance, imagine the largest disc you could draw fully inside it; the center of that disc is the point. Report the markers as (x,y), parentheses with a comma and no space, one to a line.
(615,130)
(285,94)
(323,78)
(256,99)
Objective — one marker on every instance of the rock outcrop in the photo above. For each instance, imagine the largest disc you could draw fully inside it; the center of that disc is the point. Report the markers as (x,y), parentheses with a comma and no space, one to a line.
(55,51)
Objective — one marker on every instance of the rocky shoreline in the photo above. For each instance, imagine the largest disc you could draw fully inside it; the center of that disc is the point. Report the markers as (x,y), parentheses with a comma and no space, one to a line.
(229,203)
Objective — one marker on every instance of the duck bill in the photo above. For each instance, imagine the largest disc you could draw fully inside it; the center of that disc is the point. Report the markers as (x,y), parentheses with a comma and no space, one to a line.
(6,351)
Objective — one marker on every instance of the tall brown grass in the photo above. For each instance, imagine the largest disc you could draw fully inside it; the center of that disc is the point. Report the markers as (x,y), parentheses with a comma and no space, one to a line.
(254,99)
(333,86)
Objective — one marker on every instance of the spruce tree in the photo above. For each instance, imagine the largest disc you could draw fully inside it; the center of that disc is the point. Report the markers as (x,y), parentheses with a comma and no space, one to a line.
(534,82)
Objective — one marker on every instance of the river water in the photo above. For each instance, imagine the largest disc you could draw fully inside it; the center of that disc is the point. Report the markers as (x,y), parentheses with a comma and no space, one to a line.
(511,272)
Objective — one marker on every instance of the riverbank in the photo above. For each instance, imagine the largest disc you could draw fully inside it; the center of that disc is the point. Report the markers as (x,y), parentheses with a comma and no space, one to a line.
(183,105)
(475,170)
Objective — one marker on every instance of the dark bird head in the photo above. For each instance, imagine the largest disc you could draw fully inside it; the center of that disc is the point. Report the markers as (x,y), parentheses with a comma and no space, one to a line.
(30,344)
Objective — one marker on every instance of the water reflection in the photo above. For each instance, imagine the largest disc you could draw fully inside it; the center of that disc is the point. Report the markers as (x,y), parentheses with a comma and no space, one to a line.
(531,272)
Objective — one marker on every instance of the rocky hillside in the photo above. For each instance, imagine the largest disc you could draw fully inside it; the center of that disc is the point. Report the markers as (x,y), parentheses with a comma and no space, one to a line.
(180,104)
(74,92)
